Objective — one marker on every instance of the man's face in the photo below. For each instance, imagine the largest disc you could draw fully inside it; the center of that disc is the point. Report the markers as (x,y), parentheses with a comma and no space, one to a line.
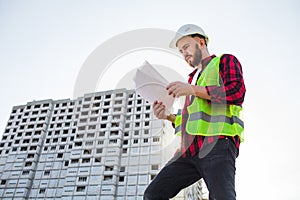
(189,48)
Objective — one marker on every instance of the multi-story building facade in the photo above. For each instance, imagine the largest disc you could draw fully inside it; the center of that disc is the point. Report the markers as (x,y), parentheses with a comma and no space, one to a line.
(105,145)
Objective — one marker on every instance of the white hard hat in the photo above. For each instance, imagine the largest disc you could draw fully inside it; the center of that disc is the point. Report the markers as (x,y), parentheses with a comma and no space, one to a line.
(185,30)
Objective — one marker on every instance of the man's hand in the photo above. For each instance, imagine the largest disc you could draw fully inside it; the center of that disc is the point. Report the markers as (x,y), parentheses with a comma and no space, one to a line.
(160,110)
(178,89)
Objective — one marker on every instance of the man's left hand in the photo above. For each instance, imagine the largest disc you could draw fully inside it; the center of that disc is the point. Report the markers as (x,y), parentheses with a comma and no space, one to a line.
(178,89)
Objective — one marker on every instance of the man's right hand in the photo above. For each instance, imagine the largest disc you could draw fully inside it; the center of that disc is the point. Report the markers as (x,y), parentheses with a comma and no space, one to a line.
(160,110)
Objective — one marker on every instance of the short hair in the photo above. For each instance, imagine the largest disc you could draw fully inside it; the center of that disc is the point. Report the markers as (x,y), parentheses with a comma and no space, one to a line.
(199,36)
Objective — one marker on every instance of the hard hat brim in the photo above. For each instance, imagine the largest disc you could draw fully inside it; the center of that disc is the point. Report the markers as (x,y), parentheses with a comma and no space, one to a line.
(173,43)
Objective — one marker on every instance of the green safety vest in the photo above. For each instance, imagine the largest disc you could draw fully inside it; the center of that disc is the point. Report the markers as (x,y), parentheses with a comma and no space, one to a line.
(211,119)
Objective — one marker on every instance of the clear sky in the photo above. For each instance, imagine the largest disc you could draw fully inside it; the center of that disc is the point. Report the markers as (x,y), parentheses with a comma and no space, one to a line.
(43,45)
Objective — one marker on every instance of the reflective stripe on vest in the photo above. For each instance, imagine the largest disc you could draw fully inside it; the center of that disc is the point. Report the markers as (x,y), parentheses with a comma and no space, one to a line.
(211,119)
(219,118)
(177,123)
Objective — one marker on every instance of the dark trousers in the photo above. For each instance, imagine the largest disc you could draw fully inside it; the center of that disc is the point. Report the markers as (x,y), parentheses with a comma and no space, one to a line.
(217,169)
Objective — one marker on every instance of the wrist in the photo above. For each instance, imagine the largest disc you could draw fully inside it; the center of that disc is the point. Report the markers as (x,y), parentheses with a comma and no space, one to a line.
(171,118)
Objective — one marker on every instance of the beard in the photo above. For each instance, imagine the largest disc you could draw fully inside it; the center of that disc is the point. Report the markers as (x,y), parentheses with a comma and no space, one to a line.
(197,57)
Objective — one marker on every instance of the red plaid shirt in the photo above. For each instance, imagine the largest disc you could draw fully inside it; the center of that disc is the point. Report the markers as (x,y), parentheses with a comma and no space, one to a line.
(231,78)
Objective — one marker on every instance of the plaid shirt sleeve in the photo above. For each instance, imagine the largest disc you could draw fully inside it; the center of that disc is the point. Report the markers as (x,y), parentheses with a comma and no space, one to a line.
(231,80)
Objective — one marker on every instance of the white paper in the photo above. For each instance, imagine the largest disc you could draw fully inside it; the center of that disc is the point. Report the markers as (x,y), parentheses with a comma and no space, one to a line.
(148,69)
(151,85)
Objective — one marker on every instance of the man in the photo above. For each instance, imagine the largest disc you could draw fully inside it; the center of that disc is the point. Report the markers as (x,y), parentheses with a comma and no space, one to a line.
(209,123)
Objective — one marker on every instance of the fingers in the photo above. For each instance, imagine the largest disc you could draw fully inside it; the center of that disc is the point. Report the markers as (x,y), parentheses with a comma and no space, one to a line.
(156,105)
(161,112)
(172,84)
(172,91)
(172,87)
(159,109)
(177,89)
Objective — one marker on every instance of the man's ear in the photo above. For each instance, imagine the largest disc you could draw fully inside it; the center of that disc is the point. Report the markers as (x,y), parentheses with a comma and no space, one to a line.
(200,41)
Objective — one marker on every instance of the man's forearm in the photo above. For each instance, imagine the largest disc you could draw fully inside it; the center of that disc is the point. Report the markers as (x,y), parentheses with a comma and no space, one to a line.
(201,92)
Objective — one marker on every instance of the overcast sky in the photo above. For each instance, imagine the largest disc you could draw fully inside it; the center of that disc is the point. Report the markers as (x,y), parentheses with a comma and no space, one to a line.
(44,45)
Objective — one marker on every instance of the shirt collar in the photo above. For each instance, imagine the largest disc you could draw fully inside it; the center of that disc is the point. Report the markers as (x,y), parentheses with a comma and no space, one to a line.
(204,63)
